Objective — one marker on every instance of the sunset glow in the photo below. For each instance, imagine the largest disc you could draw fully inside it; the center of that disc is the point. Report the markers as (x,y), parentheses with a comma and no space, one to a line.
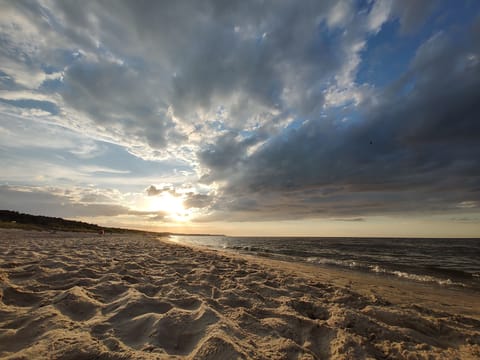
(331,117)
(171,205)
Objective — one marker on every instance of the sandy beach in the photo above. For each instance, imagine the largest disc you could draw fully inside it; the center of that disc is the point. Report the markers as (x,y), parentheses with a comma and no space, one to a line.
(84,296)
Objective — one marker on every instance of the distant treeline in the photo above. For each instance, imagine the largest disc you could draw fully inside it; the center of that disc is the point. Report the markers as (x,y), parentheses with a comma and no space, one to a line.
(14,219)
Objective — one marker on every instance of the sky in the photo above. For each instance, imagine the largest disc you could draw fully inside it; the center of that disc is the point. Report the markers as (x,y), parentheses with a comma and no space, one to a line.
(252,117)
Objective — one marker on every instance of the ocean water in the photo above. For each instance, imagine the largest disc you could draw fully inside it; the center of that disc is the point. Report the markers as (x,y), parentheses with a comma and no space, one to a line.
(445,262)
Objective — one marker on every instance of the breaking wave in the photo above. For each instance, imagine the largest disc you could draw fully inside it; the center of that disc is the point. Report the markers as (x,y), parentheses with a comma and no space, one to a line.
(380,270)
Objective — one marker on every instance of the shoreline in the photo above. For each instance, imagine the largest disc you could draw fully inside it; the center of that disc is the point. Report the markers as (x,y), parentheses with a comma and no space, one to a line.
(82,296)
(452,271)
(396,290)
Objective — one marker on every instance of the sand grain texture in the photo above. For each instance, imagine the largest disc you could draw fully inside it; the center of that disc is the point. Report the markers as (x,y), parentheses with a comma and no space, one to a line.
(81,296)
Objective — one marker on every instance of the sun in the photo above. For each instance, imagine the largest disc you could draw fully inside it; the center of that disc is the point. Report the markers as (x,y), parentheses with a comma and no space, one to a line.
(169,204)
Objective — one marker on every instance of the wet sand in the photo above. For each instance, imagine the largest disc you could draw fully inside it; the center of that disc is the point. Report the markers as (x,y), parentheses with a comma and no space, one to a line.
(83,296)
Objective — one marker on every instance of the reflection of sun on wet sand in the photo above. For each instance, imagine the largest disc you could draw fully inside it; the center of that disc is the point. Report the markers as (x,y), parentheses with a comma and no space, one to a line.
(83,296)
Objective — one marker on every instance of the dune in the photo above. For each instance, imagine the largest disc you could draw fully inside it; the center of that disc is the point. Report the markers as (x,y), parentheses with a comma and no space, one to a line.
(84,296)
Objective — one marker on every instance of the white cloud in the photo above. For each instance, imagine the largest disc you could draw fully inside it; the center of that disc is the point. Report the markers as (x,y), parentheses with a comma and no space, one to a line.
(467,204)
(102,169)
(340,14)
(378,15)
(353,94)
(26,95)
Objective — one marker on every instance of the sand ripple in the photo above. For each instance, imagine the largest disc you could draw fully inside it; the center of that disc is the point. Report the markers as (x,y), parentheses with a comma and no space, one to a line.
(81,296)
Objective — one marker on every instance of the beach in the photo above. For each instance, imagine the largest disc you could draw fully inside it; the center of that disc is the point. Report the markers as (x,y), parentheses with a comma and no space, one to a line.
(132,296)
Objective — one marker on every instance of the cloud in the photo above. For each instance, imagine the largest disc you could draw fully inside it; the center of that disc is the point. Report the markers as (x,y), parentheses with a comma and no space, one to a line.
(132,77)
(351,219)
(116,96)
(260,106)
(153,191)
(53,202)
(467,204)
(130,80)
(339,14)
(159,217)
(152,215)
(412,13)
(46,106)
(72,203)
(466,220)
(199,201)
(379,14)
(415,150)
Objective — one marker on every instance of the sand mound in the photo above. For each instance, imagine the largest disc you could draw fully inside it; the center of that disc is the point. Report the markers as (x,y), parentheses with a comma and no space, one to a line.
(80,296)
(76,303)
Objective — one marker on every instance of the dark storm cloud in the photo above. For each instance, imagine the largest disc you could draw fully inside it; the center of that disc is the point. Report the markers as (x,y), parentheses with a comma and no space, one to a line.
(228,152)
(418,149)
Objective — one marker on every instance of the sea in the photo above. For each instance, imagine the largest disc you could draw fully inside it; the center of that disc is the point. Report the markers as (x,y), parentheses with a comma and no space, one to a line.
(443,262)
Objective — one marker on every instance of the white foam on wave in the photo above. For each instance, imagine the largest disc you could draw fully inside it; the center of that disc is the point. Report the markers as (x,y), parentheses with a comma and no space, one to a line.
(416,277)
(325,261)
(381,270)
